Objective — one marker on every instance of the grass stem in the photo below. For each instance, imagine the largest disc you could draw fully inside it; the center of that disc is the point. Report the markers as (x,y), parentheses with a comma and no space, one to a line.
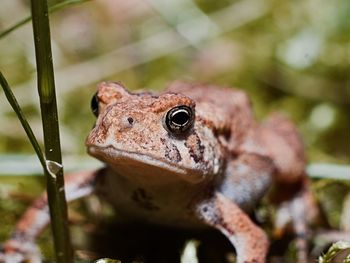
(14,104)
(47,95)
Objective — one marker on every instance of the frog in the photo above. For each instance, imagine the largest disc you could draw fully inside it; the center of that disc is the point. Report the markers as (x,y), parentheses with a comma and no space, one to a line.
(192,156)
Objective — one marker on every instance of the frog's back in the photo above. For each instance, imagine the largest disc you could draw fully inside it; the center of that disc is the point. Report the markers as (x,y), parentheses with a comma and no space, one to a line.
(228,99)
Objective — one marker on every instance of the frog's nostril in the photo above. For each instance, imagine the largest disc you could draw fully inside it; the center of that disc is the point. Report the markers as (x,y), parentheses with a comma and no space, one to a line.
(130,120)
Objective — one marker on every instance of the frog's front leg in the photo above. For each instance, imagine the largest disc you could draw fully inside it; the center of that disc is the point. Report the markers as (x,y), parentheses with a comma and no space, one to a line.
(20,247)
(246,180)
(249,240)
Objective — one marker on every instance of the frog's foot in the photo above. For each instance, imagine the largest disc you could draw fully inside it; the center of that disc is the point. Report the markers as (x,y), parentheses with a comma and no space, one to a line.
(298,212)
(249,240)
(14,251)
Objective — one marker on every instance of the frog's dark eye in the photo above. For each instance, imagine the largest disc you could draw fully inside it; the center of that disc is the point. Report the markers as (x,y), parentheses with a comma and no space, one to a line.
(94,105)
(178,119)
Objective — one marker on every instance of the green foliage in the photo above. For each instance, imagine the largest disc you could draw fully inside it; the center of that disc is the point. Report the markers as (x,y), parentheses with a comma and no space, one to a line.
(338,252)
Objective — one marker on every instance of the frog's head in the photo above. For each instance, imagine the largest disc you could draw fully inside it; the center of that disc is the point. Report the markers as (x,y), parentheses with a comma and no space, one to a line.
(140,134)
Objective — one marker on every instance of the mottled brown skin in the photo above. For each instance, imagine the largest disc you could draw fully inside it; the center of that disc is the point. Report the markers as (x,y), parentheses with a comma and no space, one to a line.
(211,174)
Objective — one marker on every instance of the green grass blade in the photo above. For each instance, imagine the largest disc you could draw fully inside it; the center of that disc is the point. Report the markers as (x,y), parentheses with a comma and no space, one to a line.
(14,104)
(52,9)
(48,106)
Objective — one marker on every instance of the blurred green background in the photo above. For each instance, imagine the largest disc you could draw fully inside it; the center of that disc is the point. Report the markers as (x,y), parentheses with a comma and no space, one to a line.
(289,56)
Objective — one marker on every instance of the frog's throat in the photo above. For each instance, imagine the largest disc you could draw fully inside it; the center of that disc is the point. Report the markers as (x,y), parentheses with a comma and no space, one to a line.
(115,156)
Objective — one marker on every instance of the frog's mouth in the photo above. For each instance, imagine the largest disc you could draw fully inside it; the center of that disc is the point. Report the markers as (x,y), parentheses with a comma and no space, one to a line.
(135,162)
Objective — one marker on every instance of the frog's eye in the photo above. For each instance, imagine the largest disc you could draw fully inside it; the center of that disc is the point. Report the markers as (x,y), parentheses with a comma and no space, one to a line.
(178,119)
(94,105)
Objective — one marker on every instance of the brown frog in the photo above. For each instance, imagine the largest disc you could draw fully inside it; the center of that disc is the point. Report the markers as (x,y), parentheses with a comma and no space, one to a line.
(192,156)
